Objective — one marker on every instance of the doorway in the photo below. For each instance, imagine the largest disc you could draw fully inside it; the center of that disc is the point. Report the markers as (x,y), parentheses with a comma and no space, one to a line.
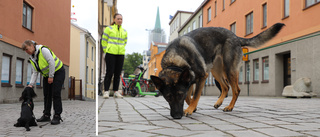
(286,70)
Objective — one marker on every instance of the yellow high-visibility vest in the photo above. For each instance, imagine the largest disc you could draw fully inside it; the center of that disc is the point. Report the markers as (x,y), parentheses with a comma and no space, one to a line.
(114,40)
(42,65)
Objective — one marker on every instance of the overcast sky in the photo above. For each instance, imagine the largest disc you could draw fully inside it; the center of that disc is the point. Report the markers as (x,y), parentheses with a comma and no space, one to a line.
(138,15)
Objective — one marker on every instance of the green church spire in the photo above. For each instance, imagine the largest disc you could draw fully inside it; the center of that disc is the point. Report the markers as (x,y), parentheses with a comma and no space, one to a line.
(157,26)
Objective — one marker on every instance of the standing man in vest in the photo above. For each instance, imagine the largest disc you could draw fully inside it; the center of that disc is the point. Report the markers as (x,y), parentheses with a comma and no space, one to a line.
(44,61)
(114,41)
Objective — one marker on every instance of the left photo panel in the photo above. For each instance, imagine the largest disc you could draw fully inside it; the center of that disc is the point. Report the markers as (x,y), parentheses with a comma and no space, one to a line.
(48,56)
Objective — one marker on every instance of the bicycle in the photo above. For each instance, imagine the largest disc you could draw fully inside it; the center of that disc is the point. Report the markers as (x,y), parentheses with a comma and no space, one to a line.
(139,86)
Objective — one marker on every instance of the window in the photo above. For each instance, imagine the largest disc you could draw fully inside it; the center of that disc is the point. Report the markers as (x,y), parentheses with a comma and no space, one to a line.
(232,1)
(27,16)
(194,25)
(286,8)
(19,71)
(247,72)
(92,76)
(29,72)
(200,21)
(233,28)
(264,20)
(223,5)
(215,8)
(38,82)
(209,14)
(6,70)
(87,51)
(240,75)
(309,3)
(256,70)
(92,53)
(265,69)
(87,73)
(249,23)
(189,29)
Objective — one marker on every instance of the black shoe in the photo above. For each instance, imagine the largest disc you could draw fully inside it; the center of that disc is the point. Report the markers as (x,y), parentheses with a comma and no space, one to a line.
(44,118)
(56,120)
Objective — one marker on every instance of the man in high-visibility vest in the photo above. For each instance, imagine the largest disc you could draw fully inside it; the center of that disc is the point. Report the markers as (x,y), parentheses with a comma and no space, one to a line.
(45,62)
(114,41)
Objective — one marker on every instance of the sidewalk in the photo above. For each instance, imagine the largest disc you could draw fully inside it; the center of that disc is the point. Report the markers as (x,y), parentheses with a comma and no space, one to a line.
(251,117)
(78,117)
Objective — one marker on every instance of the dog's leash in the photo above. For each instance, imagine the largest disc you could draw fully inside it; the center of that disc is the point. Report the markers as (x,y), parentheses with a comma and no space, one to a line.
(40,126)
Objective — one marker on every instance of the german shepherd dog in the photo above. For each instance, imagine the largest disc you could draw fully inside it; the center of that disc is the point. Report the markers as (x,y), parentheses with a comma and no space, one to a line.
(189,58)
(27,118)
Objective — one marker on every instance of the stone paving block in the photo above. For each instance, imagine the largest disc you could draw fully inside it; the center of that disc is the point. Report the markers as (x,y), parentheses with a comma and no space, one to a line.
(211,134)
(246,133)
(139,127)
(228,127)
(299,127)
(277,132)
(253,125)
(199,127)
(186,120)
(278,122)
(126,133)
(167,123)
(174,132)
(314,133)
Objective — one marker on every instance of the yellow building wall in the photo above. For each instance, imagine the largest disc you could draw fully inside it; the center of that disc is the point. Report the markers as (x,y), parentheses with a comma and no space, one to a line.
(75,52)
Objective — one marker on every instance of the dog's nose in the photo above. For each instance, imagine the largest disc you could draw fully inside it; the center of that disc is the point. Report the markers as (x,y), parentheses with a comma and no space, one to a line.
(176,116)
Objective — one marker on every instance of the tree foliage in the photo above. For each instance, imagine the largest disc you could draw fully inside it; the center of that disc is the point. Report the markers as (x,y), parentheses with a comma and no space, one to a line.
(131,62)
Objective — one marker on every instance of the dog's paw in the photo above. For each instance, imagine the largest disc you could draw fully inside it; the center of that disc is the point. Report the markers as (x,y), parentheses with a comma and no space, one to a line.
(228,109)
(189,112)
(216,106)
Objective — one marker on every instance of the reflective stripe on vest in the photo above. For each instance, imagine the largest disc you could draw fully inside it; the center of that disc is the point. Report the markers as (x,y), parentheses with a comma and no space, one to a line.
(42,65)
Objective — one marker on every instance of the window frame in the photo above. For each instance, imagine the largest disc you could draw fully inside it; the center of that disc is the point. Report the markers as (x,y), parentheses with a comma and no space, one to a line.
(223,5)
(194,25)
(263,69)
(264,15)
(209,14)
(231,27)
(255,71)
(10,67)
(286,9)
(247,73)
(92,75)
(240,77)
(25,17)
(215,9)
(232,1)
(22,68)
(200,21)
(250,23)
(311,5)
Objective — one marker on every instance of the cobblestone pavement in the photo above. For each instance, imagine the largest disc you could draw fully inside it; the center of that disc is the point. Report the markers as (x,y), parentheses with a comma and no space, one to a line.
(251,117)
(79,120)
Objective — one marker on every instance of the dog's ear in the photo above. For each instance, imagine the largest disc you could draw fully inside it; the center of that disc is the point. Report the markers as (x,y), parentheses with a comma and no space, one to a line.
(185,76)
(33,94)
(157,81)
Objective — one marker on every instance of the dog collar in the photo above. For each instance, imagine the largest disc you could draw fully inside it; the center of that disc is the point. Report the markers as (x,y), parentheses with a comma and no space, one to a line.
(175,68)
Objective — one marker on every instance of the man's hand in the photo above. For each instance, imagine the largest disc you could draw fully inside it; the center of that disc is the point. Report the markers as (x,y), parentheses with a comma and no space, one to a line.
(50,80)
(30,86)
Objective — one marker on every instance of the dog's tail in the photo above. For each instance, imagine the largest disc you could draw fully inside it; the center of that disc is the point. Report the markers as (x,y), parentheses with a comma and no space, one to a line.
(262,37)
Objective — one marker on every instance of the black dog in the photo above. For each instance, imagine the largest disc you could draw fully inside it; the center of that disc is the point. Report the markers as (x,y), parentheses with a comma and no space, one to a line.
(27,118)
